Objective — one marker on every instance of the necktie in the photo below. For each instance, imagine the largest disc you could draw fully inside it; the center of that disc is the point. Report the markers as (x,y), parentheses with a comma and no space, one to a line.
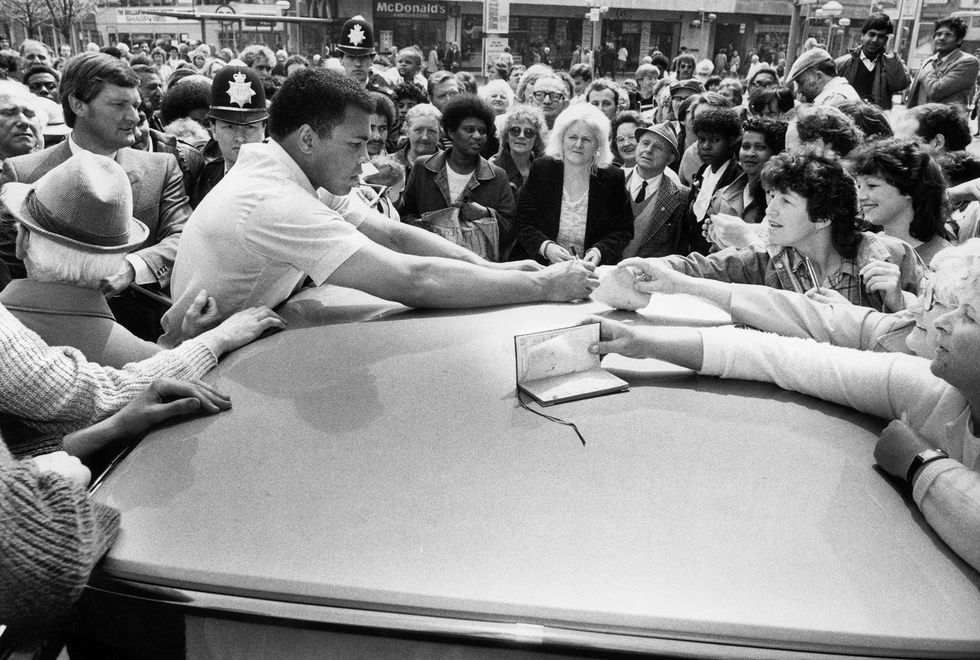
(640,196)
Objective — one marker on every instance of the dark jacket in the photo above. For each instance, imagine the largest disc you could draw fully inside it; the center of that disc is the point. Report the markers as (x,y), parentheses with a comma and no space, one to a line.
(890,75)
(732,177)
(608,226)
(211,172)
(188,157)
(427,191)
(504,161)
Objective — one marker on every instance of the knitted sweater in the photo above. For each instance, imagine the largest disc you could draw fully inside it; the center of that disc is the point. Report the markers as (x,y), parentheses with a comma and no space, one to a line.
(56,391)
(51,537)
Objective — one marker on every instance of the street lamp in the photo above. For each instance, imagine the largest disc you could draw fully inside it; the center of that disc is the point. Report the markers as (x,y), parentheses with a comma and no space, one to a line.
(844,23)
(831,10)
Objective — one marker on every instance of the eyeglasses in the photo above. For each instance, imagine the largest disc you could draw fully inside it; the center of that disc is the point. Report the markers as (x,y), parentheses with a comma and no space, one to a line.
(516,131)
(623,139)
(554,97)
(39,85)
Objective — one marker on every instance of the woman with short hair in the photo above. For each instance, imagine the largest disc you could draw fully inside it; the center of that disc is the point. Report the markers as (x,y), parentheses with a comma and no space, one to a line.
(901,189)
(574,204)
(422,128)
(815,241)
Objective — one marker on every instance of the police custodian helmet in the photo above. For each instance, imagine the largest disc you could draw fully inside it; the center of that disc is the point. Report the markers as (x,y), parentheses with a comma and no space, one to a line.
(357,38)
(237,96)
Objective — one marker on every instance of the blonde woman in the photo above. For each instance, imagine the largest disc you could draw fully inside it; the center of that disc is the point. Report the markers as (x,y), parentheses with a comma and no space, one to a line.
(574,204)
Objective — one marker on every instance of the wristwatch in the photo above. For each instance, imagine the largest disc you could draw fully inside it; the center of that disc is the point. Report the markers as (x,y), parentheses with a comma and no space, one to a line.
(920,460)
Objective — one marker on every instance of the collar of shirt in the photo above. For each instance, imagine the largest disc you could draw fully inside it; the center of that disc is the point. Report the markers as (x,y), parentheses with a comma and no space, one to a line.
(845,280)
(653,184)
(867,62)
(76,149)
(260,154)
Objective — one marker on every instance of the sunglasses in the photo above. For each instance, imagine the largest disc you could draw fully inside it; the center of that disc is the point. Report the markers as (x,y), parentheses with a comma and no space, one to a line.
(516,131)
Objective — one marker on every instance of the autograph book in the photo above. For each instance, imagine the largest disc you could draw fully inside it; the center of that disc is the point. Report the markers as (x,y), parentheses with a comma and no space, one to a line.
(555,366)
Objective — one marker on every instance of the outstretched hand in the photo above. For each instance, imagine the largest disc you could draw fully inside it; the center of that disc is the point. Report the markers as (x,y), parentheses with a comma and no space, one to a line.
(164,399)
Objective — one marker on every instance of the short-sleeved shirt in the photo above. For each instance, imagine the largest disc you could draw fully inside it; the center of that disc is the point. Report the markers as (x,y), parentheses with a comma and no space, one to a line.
(256,236)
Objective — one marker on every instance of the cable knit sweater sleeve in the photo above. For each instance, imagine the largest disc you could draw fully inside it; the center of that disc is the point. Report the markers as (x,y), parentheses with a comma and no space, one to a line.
(51,537)
(57,390)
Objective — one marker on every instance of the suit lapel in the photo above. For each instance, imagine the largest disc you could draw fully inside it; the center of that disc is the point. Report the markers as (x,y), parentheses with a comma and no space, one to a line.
(659,209)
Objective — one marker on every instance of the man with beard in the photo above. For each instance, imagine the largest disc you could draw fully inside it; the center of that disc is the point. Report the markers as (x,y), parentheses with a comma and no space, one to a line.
(382,119)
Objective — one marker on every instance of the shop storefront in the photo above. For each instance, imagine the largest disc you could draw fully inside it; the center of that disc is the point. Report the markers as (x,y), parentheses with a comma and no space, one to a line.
(405,23)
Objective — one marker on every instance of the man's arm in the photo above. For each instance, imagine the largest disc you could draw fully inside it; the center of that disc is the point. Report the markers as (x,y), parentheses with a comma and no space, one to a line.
(174,211)
(405,238)
(962,75)
(452,283)
(897,75)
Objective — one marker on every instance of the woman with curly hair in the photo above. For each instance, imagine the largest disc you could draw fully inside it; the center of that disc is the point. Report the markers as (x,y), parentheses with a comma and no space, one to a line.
(814,241)
(522,134)
(901,189)
(456,193)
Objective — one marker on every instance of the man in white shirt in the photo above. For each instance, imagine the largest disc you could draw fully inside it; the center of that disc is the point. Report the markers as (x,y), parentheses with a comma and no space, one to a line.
(875,74)
(262,230)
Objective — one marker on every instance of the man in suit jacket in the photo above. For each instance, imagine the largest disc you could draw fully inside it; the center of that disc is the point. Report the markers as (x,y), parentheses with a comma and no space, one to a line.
(950,74)
(101,99)
(659,204)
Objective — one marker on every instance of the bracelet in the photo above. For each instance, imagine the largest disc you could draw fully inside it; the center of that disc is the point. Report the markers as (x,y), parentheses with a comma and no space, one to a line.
(922,459)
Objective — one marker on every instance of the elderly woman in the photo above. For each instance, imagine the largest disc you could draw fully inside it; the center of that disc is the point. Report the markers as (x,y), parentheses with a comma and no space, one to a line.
(575,203)
(498,95)
(624,138)
(902,190)
(457,193)
(814,240)
(522,133)
(422,128)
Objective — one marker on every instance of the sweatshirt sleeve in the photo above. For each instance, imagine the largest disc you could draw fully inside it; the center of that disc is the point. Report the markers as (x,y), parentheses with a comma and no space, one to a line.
(51,537)
(791,314)
(948,494)
(881,384)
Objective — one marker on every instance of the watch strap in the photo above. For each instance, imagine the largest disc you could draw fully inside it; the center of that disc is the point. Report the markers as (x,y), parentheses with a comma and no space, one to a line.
(921,459)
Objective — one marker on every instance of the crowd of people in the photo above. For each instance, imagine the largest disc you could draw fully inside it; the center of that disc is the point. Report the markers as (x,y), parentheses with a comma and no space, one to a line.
(157,205)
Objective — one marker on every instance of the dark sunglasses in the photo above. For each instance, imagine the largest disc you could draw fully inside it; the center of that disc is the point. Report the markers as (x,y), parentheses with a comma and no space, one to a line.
(515,131)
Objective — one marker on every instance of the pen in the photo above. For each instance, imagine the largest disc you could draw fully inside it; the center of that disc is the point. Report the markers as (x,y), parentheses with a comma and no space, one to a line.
(811,272)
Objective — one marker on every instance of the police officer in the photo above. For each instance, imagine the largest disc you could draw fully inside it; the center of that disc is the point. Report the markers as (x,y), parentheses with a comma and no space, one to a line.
(238,115)
(357,48)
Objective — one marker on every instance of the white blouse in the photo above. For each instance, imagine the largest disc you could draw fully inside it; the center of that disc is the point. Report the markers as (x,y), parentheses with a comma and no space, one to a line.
(571,223)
